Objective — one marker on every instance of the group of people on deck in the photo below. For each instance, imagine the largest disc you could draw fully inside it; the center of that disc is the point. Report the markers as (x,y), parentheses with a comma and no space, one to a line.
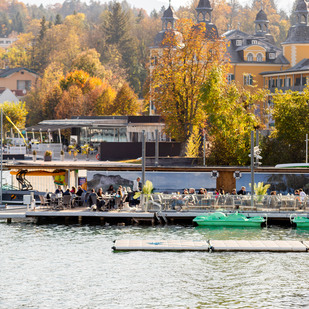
(114,199)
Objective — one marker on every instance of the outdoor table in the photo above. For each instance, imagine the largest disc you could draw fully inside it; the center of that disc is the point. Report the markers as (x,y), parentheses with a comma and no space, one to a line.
(107,199)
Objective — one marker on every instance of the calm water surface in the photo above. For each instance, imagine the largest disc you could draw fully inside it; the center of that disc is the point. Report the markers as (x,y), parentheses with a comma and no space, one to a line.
(51,266)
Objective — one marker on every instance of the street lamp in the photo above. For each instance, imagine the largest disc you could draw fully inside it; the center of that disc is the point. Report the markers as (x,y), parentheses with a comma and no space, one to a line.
(255,153)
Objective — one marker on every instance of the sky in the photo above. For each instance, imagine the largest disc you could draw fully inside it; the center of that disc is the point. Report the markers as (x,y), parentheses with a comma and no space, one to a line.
(157,4)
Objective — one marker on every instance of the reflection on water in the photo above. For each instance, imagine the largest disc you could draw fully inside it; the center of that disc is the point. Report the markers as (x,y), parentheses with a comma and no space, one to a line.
(74,267)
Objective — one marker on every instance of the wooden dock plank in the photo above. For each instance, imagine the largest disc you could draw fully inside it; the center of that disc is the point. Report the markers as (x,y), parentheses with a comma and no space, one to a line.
(214,245)
(162,245)
(258,245)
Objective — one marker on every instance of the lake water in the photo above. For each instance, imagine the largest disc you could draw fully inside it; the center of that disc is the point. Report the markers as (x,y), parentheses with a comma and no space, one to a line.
(55,266)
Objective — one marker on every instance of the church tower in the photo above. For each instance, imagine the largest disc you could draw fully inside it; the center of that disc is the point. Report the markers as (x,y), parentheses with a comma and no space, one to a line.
(261,27)
(296,45)
(261,23)
(204,15)
(169,19)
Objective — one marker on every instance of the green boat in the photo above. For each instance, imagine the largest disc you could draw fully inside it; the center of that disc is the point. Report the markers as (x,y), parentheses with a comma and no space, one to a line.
(233,220)
(301,222)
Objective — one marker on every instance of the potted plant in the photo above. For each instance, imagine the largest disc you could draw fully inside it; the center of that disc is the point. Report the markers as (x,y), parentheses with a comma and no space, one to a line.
(34,153)
(85,150)
(62,155)
(145,194)
(47,155)
(260,190)
(74,150)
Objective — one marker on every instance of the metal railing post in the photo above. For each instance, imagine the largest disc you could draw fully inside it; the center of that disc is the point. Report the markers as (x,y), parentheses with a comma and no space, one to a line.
(252,168)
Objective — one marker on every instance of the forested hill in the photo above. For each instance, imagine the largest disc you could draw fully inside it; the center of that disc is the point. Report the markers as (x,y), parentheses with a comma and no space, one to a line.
(109,41)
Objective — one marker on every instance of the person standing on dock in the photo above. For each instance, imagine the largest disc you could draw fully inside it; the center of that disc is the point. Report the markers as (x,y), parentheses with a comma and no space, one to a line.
(136,185)
(136,188)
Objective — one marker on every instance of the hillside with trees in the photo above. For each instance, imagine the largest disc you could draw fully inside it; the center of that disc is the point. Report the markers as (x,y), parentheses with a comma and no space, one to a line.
(93,59)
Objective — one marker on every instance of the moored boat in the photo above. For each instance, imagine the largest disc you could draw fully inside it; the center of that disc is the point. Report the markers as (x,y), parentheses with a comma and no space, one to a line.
(233,220)
(300,222)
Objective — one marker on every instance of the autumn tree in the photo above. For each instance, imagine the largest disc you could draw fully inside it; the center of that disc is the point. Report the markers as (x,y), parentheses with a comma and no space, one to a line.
(287,142)
(104,103)
(21,52)
(16,112)
(45,95)
(89,62)
(125,102)
(230,118)
(181,68)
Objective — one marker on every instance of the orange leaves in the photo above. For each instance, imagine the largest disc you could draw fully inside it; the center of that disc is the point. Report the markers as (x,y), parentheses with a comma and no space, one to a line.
(80,79)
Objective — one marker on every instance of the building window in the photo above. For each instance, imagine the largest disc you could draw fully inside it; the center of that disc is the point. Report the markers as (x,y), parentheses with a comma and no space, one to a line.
(249,57)
(304,81)
(248,80)
(254,42)
(274,82)
(259,57)
(238,42)
(230,78)
(23,84)
(272,56)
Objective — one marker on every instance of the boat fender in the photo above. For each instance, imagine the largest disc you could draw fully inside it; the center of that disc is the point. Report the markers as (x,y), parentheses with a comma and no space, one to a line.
(211,249)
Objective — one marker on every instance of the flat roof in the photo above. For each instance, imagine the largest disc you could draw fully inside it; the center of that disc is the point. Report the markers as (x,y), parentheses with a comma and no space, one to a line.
(96,122)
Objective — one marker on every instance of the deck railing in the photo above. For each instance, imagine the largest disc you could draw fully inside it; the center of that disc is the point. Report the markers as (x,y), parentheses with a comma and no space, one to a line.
(196,202)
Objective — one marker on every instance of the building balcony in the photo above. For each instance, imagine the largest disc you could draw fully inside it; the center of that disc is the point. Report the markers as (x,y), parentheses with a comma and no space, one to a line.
(284,89)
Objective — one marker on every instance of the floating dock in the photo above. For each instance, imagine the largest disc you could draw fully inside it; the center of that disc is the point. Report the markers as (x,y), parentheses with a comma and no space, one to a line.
(82,215)
(212,245)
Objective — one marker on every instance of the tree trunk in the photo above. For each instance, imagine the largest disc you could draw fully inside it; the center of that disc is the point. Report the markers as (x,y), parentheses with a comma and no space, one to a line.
(183,149)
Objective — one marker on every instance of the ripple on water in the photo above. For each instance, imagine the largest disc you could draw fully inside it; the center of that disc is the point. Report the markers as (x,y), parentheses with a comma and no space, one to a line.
(54,266)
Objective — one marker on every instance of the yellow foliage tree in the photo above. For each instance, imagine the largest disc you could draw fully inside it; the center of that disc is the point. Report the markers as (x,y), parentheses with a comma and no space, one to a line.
(125,102)
(182,67)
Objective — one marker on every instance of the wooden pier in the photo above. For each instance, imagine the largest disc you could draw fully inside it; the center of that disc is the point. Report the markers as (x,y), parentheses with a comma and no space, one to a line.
(212,245)
(114,217)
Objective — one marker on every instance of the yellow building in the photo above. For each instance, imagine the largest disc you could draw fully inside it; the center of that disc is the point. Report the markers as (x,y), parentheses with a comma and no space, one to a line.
(296,51)
(251,55)
(254,58)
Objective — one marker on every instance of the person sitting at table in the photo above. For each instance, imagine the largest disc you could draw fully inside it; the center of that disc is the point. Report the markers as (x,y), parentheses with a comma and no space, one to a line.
(111,190)
(191,191)
(80,191)
(67,192)
(234,192)
(73,190)
(242,191)
(118,197)
(201,191)
(59,190)
(100,199)
(92,200)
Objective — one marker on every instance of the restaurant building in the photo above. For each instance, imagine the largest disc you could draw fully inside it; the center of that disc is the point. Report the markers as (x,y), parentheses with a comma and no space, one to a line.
(97,129)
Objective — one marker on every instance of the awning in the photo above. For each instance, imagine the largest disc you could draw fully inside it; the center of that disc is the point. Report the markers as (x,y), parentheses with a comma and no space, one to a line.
(40,173)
